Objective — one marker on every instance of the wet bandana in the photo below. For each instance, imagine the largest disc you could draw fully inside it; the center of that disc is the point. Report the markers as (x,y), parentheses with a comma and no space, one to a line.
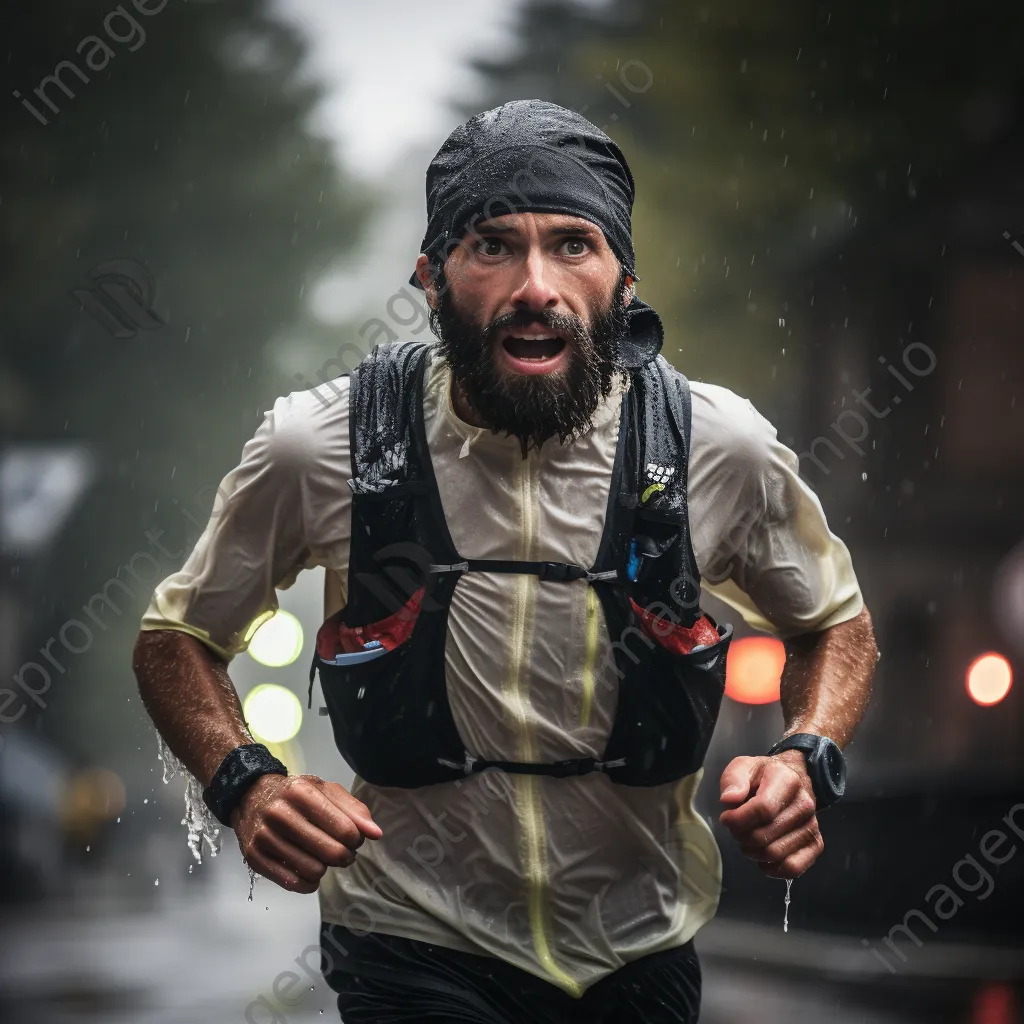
(537,157)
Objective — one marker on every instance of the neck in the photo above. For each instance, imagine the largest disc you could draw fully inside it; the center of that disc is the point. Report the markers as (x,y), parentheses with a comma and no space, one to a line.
(463,409)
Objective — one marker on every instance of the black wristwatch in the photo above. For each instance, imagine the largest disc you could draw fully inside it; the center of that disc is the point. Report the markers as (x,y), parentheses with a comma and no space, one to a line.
(237,772)
(825,764)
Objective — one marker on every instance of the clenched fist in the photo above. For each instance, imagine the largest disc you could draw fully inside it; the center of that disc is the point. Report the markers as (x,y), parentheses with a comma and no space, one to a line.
(772,813)
(292,828)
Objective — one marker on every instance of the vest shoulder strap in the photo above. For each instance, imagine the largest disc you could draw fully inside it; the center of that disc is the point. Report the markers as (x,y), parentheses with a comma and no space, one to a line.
(382,395)
(662,420)
(664,424)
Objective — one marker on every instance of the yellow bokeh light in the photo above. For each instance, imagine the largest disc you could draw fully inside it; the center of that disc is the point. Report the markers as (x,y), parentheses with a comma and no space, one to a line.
(989,679)
(273,713)
(277,641)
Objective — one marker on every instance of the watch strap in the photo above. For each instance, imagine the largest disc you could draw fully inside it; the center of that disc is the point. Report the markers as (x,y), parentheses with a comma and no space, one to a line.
(805,741)
(236,773)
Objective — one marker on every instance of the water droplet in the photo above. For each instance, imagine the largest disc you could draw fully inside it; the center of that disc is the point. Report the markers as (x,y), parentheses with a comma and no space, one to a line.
(157,882)
(88,848)
(785,919)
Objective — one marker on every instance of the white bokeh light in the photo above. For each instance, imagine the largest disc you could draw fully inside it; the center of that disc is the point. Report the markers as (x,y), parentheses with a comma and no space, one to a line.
(278,641)
(273,713)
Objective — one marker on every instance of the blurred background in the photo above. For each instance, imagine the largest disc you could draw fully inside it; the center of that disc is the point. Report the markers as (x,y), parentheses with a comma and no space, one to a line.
(206,205)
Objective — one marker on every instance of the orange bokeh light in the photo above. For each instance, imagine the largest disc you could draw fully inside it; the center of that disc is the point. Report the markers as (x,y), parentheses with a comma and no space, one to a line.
(989,678)
(753,671)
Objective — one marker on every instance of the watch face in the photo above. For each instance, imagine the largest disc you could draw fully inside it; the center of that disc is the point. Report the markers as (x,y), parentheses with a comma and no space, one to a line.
(835,766)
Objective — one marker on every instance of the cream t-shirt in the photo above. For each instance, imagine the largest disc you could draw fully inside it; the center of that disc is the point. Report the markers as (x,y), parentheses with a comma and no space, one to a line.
(566,878)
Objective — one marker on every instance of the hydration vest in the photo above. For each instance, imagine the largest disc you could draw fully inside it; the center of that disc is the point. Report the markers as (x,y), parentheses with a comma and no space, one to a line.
(381,658)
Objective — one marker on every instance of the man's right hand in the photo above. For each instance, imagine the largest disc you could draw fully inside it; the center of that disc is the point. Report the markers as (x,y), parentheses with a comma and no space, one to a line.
(292,828)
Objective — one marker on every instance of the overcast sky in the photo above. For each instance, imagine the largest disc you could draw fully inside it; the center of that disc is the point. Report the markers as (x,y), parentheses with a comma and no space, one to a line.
(392,67)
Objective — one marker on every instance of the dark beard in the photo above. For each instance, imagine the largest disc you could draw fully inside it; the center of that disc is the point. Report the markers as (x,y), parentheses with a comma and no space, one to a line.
(532,408)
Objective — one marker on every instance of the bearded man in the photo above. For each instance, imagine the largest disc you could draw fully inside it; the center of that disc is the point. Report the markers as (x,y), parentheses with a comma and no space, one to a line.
(516,523)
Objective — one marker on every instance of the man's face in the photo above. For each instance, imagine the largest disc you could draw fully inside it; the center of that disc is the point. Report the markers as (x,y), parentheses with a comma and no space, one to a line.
(529,313)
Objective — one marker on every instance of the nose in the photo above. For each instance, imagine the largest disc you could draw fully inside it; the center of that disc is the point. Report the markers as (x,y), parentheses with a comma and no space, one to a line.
(534,292)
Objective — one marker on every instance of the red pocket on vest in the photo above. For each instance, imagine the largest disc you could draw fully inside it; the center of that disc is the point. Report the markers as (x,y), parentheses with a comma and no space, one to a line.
(675,638)
(391,632)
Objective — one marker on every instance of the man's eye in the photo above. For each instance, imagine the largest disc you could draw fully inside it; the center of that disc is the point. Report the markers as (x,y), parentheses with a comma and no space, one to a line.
(491,247)
(575,246)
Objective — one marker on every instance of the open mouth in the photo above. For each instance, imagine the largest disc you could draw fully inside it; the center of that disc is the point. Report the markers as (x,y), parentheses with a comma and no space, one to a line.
(537,351)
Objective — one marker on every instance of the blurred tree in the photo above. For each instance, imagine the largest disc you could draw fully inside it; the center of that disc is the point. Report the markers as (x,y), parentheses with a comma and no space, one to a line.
(180,145)
(762,136)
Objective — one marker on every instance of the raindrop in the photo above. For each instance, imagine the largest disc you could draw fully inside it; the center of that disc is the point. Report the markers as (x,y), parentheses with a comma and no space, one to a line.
(157,882)
(785,919)
(863,476)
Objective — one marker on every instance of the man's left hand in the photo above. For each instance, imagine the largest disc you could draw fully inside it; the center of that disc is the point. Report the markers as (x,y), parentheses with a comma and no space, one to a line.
(772,812)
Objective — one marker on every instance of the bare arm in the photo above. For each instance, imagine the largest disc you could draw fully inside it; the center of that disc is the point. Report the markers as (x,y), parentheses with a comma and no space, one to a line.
(826,684)
(190,698)
(827,679)
(290,829)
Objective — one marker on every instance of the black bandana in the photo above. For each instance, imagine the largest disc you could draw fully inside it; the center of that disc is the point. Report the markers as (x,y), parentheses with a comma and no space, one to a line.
(534,156)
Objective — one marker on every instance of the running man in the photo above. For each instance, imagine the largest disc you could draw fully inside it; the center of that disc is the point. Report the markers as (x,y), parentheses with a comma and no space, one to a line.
(516,522)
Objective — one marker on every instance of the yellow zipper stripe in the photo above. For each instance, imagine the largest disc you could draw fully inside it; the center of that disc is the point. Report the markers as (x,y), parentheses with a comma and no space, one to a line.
(529,809)
(537,879)
(589,655)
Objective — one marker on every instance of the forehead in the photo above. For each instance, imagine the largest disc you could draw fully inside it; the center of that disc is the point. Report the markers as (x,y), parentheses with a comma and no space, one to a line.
(538,223)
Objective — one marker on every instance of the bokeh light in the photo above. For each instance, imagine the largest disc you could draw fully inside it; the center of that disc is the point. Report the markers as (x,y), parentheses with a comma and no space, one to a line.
(989,678)
(93,795)
(277,641)
(754,669)
(273,713)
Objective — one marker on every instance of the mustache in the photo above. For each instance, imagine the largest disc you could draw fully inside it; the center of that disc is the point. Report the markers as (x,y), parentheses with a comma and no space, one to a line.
(571,325)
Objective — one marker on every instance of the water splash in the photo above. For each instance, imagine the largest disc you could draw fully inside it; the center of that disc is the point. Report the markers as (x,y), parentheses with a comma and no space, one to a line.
(252,883)
(785,919)
(199,820)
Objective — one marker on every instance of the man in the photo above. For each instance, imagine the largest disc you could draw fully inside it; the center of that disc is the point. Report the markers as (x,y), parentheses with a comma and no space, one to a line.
(515,522)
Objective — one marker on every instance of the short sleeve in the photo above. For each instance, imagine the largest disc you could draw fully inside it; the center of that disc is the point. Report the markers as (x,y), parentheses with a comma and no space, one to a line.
(284,508)
(760,535)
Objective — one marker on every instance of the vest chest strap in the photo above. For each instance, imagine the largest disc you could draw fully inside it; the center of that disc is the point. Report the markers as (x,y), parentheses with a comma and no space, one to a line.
(557,769)
(555,572)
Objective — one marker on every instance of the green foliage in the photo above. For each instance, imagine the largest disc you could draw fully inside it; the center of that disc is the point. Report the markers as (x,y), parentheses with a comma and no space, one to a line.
(769,134)
(188,154)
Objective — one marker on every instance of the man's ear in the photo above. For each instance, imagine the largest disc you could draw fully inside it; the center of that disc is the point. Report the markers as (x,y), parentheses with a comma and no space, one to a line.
(426,278)
(628,291)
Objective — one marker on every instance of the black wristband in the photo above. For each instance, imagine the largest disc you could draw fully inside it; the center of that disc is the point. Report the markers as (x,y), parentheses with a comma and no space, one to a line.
(237,772)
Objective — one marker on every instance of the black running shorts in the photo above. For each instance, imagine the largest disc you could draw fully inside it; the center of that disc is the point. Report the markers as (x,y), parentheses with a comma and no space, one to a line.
(381,979)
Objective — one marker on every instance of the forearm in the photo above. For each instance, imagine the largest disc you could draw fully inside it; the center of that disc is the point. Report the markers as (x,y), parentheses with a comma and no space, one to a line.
(826,682)
(190,698)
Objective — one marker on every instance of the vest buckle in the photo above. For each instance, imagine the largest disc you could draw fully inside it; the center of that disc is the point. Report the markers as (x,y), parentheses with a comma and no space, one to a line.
(561,572)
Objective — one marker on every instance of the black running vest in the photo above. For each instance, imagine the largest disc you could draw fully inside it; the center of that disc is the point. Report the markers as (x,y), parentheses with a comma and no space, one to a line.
(391,717)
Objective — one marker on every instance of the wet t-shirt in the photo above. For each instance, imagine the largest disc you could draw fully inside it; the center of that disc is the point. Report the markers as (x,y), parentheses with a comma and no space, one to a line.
(566,878)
